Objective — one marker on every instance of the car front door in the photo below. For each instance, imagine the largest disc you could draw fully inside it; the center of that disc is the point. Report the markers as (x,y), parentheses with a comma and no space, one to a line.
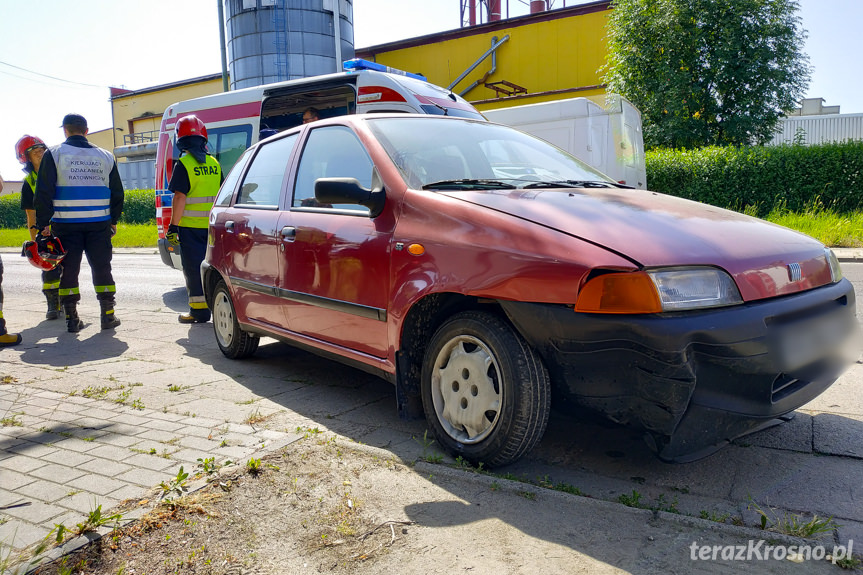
(335,271)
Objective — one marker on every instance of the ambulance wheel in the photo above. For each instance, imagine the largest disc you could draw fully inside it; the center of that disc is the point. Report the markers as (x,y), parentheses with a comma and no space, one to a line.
(233,341)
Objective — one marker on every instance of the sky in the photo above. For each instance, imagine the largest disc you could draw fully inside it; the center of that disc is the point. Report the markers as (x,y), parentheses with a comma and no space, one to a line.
(61,56)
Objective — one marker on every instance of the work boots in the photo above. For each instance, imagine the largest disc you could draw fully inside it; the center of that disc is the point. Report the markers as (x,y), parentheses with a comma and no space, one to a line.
(202,316)
(73,324)
(109,321)
(7,339)
(53,298)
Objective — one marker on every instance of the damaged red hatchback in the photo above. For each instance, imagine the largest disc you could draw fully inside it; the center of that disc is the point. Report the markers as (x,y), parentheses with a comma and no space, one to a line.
(483,271)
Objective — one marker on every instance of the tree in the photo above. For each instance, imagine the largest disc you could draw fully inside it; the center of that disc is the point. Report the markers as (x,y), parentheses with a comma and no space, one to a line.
(707,72)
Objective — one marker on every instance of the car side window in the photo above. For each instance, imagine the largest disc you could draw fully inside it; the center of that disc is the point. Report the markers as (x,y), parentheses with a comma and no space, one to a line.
(262,185)
(226,192)
(331,152)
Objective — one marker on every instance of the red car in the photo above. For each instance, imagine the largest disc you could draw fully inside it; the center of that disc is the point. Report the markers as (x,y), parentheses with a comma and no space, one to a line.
(483,271)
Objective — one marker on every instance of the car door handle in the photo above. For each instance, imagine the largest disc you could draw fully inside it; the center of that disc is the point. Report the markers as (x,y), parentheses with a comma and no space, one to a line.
(229,227)
(289,233)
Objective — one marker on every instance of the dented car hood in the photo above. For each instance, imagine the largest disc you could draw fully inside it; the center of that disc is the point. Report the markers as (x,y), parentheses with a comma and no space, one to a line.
(657,230)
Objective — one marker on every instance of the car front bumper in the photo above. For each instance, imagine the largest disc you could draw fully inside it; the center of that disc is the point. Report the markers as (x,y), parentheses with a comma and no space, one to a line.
(697,380)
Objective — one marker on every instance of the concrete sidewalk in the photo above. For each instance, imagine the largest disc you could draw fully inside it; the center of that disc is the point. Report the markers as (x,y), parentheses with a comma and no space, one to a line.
(96,418)
(79,429)
(99,417)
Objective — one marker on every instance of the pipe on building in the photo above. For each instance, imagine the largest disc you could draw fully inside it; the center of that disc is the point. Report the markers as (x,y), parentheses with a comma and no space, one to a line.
(222,46)
(337,16)
(495,44)
(493,10)
(537,6)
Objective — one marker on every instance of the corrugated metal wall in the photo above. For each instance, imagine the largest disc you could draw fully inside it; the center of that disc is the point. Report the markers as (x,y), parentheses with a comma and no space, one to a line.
(819,129)
(274,40)
(138,175)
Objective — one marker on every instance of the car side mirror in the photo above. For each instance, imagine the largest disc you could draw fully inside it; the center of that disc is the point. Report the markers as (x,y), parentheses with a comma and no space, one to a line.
(349,191)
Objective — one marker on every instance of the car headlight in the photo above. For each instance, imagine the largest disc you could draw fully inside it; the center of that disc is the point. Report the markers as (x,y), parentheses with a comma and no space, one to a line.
(694,288)
(833,262)
(655,291)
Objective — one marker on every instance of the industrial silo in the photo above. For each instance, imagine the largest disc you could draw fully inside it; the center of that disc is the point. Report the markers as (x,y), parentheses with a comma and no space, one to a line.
(273,40)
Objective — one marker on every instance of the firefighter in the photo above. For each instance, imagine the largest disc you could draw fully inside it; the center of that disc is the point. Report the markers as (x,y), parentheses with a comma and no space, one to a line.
(195,183)
(29,150)
(79,196)
(6,338)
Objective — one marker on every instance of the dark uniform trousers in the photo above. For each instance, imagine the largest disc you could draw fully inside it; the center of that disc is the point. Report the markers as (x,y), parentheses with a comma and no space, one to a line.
(97,245)
(51,278)
(193,249)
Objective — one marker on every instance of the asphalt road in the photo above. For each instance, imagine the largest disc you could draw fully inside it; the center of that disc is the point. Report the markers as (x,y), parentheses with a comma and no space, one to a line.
(812,465)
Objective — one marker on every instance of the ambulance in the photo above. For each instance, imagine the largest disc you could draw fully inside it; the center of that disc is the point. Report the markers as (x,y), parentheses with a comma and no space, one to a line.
(236,120)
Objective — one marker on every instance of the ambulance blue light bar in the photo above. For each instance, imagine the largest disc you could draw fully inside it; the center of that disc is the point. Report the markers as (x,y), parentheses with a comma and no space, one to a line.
(359,64)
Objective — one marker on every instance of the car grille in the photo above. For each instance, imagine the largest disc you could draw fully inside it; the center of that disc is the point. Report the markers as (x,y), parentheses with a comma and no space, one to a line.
(785,385)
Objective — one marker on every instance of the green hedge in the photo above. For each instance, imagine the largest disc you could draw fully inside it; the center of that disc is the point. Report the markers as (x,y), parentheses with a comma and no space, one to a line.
(762,177)
(139,207)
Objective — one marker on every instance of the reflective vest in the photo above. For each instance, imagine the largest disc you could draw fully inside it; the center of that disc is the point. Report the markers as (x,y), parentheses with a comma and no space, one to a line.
(204,182)
(82,193)
(30,178)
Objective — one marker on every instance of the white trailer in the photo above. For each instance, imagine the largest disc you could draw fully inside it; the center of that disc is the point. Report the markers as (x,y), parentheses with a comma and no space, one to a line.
(603,131)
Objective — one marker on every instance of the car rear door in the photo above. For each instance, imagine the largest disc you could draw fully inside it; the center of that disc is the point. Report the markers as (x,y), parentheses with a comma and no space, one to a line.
(249,234)
(335,267)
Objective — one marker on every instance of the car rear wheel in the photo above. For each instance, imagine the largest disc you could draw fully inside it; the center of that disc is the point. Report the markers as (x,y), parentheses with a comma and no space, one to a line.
(485,391)
(233,341)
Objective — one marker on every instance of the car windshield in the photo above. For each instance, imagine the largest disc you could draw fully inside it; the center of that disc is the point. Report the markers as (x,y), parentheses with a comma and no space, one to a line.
(438,154)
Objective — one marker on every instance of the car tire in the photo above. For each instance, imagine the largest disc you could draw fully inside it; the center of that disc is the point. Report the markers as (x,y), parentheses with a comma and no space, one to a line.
(233,341)
(486,393)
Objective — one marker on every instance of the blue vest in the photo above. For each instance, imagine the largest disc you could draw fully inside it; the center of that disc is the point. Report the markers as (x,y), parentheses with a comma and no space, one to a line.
(82,193)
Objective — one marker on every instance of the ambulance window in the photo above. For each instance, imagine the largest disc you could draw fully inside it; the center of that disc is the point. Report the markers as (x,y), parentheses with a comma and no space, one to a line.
(262,185)
(227,190)
(227,144)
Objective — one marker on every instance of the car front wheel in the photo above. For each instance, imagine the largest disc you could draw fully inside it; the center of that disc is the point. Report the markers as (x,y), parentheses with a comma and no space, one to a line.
(485,391)
(233,341)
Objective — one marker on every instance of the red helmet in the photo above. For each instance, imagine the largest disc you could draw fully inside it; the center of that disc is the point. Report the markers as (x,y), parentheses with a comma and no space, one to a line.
(25,144)
(190,126)
(45,253)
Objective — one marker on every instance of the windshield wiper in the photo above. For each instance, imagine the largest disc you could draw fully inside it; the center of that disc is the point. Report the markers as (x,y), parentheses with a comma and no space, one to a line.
(573,184)
(468,184)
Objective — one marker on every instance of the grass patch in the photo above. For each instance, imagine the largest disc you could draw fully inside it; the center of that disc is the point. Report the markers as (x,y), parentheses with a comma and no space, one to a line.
(834,229)
(793,524)
(12,421)
(128,236)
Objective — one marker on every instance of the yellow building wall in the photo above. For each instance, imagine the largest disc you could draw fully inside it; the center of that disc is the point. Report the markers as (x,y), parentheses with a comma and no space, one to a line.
(552,59)
(102,138)
(153,104)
